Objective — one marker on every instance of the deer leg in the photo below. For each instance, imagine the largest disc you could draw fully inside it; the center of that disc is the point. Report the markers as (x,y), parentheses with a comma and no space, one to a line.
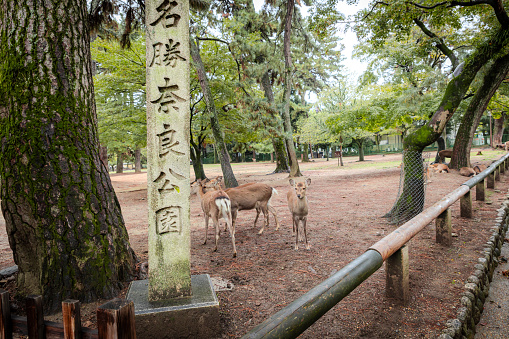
(296,228)
(206,227)
(304,223)
(265,218)
(232,233)
(257,207)
(216,226)
(274,213)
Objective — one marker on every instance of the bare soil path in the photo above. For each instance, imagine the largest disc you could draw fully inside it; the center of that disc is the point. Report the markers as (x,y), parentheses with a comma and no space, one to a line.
(346,205)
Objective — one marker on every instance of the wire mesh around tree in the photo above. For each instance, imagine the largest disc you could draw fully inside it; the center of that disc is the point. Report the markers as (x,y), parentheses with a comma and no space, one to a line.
(412,187)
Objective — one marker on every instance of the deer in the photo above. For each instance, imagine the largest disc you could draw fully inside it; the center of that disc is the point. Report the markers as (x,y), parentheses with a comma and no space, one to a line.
(298,205)
(446,153)
(252,196)
(467,172)
(479,168)
(215,204)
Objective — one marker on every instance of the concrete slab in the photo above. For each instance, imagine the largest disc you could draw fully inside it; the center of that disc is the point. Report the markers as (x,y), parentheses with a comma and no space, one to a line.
(196,316)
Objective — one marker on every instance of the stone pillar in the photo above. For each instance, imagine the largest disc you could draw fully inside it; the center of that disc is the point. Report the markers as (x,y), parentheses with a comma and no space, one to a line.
(444,228)
(466,205)
(397,270)
(168,187)
(479,190)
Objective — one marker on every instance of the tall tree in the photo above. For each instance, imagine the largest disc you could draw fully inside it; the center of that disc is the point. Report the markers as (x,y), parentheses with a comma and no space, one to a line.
(292,156)
(224,157)
(489,39)
(496,73)
(62,217)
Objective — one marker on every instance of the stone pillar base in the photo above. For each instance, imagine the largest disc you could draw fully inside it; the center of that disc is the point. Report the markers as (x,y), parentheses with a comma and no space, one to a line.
(196,316)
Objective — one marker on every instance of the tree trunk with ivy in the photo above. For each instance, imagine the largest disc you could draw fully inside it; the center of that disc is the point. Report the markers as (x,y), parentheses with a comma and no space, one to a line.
(491,82)
(222,152)
(62,216)
(415,142)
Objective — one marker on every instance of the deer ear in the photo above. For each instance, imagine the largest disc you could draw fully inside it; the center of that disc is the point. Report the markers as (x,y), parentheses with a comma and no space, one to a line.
(308,181)
(292,182)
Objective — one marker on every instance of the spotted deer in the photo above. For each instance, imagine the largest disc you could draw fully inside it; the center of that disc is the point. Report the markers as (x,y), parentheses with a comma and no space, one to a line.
(298,205)
(215,204)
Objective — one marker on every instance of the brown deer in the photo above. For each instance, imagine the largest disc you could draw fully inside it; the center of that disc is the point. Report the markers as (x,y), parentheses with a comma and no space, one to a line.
(479,168)
(446,153)
(467,172)
(253,196)
(298,205)
(215,204)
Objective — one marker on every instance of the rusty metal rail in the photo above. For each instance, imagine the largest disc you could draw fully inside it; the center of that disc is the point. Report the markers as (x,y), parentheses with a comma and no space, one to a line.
(304,311)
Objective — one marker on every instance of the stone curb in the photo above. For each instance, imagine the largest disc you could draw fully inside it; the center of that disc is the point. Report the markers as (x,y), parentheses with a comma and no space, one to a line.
(477,285)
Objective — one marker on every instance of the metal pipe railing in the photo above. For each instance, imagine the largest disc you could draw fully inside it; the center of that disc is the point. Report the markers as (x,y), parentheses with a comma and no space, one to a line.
(295,318)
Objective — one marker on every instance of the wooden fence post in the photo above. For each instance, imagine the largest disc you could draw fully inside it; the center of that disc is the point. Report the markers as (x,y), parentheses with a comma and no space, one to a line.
(490,183)
(444,228)
(71,315)
(397,270)
(466,205)
(115,320)
(497,173)
(5,315)
(479,190)
(502,167)
(35,318)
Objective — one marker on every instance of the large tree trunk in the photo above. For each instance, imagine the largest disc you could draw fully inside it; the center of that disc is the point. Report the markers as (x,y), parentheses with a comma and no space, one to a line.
(103,155)
(292,156)
(491,82)
(498,129)
(277,142)
(120,162)
(224,157)
(137,160)
(199,172)
(62,216)
(454,94)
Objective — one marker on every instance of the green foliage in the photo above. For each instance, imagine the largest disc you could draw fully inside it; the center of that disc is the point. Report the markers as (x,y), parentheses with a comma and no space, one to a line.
(120,93)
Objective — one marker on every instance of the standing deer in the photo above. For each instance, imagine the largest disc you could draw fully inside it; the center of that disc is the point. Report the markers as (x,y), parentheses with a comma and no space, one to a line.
(214,205)
(298,205)
(251,196)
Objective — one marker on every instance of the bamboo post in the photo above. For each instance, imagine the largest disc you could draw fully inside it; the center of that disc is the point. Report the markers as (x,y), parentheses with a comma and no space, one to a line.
(5,315)
(444,228)
(72,319)
(35,318)
(490,183)
(397,282)
(115,320)
(466,205)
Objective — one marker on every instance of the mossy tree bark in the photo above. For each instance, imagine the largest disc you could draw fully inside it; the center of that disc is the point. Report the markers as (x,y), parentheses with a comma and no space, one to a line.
(491,82)
(454,94)
(62,216)
(222,152)
(292,155)
(277,142)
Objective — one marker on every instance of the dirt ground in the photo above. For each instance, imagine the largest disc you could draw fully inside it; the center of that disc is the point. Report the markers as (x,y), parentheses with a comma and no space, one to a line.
(346,205)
